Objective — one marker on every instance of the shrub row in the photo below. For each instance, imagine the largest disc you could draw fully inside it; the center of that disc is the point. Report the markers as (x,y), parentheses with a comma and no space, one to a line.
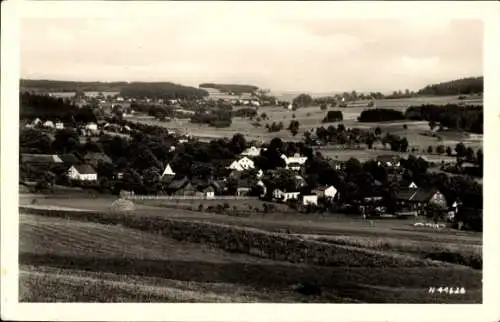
(246,240)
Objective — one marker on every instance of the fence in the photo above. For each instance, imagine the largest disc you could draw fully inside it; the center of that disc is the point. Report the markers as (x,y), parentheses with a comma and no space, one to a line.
(165,197)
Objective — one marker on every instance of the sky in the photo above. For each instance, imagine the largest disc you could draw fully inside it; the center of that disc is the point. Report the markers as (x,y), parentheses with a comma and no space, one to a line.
(282,52)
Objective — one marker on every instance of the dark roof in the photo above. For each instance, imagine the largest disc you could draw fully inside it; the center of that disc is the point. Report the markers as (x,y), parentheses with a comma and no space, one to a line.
(84,169)
(416,195)
(405,183)
(178,184)
(244,183)
(294,164)
(69,158)
(38,158)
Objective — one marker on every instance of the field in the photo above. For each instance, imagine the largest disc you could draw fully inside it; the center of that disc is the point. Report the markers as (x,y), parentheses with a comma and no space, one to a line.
(74,260)
(418,133)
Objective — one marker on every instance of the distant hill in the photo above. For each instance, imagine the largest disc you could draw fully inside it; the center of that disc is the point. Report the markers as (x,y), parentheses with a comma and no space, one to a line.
(70,86)
(231,88)
(467,85)
(133,89)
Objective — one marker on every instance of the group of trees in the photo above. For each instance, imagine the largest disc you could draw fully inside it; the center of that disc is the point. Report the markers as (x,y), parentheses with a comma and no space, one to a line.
(70,86)
(45,107)
(216,118)
(380,115)
(294,127)
(468,118)
(333,116)
(303,100)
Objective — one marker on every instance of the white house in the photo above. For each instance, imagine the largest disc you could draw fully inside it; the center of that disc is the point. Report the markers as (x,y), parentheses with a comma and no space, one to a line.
(310,200)
(260,173)
(37,121)
(48,124)
(290,106)
(328,192)
(82,172)
(91,127)
(294,163)
(284,196)
(242,164)
(59,125)
(168,171)
(254,103)
(251,152)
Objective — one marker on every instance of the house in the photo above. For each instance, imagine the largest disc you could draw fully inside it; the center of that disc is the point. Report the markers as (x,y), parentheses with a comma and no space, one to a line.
(48,124)
(168,172)
(207,191)
(82,172)
(182,187)
(242,164)
(91,127)
(259,174)
(417,199)
(299,182)
(284,195)
(59,125)
(244,187)
(328,192)
(391,161)
(95,158)
(294,163)
(311,200)
(251,152)
(37,121)
(264,188)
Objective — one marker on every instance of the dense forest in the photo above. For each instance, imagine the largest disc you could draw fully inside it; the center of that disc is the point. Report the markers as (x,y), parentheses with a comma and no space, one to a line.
(469,85)
(231,88)
(69,86)
(164,90)
(468,118)
(45,107)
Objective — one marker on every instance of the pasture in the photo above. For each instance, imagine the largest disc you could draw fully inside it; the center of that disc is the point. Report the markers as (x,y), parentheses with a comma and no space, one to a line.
(84,261)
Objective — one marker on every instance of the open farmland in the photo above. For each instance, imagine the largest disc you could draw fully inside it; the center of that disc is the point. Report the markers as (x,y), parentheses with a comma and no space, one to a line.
(59,268)
(417,133)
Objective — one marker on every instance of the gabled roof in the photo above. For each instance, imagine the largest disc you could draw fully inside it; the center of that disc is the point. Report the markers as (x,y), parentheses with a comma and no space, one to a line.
(168,171)
(84,169)
(40,158)
(416,195)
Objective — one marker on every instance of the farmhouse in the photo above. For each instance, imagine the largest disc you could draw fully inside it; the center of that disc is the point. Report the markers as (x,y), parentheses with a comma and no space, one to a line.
(242,164)
(91,127)
(82,172)
(168,172)
(182,187)
(59,125)
(391,161)
(69,159)
(408,184)
(48,124)
(40,159)
(416,199)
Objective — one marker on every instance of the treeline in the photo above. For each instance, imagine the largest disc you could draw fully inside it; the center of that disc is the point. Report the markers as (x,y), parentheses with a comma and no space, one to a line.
(469,85)
(70,86)
(380,115)
(45,107)
(333,116)
(468,118)
(231,88)
(165,90)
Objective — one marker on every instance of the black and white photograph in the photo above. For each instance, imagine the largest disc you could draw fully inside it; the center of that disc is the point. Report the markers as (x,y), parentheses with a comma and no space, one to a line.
(248,152)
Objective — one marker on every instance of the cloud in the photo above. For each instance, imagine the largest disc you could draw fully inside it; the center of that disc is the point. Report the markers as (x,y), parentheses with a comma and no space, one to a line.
(280,51)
